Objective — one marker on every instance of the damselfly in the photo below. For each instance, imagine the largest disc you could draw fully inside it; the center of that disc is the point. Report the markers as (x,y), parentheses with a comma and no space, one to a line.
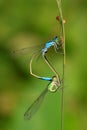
(44,47)
(54,42)
(54,81)
(53,86)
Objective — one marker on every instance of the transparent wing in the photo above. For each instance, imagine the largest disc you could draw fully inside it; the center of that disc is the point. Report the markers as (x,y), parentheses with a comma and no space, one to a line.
(30,49)
(35,106)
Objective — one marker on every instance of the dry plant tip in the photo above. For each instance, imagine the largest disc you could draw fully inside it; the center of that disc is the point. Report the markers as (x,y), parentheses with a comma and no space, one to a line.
(58,19)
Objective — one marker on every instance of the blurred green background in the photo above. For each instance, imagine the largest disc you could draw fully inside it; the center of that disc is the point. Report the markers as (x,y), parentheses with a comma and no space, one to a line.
(26,23)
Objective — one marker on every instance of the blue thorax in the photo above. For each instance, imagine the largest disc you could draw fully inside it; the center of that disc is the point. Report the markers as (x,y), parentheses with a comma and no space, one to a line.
(50,43)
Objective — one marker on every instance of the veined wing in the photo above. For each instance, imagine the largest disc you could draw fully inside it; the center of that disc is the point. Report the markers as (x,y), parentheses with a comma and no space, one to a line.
(35,105)
(29,49)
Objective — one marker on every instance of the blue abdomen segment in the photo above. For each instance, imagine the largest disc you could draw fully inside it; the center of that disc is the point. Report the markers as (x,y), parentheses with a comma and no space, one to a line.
(46,78)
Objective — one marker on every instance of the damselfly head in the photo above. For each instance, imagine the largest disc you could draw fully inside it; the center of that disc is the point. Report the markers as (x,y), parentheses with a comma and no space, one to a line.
(55,39)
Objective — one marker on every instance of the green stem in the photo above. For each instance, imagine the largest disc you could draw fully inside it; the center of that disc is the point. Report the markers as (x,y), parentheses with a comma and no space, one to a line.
(63,36)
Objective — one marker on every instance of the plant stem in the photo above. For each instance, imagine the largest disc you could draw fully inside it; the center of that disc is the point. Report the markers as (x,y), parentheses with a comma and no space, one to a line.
(63,36)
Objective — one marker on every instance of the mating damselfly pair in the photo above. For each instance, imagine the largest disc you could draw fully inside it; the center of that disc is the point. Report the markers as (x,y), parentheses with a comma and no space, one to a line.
(54,82)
